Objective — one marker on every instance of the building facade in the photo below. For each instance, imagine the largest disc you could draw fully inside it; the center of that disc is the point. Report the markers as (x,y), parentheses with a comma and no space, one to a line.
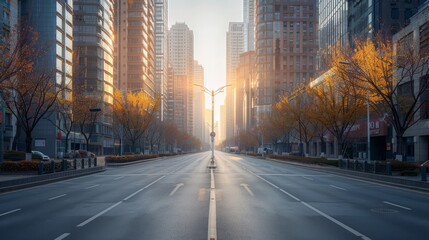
(333,15)
(161,54)
(53,21)
(246,79)
(199,102)
(286,47)
(234,47)
(93,45)
(170,95)
(248,25)
(134,46)
(367,17)
(9,11)
(417,32)
(181,58)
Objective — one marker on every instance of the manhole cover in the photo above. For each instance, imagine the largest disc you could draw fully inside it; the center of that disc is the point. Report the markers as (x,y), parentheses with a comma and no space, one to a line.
(383,210)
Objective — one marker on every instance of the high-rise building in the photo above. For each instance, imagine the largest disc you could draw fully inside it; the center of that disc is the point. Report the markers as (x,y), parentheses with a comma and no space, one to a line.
(199,102)
(134,46)
(416,34)
(53,21)
(234,47)
(181,58)
(248,25)
(377,16)
(9,11)
(246,79)
(170,95)
(93,46)
(332,23)
(161,54)
(286,46)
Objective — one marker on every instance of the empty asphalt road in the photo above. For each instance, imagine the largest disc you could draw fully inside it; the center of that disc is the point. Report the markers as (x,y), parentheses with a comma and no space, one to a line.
(243,198)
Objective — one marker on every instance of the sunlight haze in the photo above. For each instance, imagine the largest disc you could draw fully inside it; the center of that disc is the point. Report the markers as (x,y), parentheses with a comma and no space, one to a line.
(208,19)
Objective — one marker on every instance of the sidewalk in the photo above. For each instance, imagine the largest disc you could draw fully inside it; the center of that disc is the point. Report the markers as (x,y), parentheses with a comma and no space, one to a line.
(409,182)
(15,181)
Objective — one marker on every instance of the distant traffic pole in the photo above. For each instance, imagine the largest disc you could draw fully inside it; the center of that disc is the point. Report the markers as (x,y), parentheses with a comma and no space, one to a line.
(212,93)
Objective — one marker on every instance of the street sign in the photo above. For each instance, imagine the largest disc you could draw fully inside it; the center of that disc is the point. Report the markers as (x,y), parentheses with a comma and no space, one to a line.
(212,134)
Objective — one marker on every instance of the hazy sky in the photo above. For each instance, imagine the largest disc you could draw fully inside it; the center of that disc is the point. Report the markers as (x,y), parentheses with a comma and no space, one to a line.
(209,21)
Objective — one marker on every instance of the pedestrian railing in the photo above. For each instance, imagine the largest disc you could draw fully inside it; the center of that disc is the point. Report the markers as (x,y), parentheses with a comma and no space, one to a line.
(379,167)
(66,165)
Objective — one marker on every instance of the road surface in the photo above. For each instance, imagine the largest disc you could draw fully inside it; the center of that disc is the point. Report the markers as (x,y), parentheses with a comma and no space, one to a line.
(243,198)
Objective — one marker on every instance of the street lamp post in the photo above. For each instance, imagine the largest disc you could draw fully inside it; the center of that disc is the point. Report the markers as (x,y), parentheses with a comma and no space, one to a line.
(212,93)
(368,121)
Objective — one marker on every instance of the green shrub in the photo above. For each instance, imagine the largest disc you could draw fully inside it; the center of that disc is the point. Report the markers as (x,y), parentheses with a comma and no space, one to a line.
(307,160)
(129,158)
(398,166)
(21,166)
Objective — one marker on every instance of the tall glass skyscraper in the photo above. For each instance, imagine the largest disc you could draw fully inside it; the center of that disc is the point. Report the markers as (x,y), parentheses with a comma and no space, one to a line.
(161,53)
(249,25)
(332,23)
(93,46)
(53,22)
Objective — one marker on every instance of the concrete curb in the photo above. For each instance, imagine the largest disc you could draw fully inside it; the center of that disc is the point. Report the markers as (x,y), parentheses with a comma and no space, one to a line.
(27,182)
(134,162)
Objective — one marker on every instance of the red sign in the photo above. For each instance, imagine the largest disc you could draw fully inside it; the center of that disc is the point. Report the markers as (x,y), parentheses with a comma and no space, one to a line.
(59,136)
(378,127)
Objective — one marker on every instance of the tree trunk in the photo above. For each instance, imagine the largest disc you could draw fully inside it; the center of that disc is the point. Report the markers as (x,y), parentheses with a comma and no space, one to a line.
(28,142)
(340,147)
(87,143)
(400,146)
(66,144)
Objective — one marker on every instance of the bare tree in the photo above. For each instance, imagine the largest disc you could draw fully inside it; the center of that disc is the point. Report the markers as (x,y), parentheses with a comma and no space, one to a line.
(84,115)
(18,52)
(30,98)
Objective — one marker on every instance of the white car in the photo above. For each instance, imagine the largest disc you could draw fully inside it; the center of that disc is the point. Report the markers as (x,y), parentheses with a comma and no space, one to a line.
(40,155)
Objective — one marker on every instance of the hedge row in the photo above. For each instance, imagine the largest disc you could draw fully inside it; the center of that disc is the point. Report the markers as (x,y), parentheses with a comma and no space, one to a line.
(31,165)
(129,158)
(398,166)
(307,160)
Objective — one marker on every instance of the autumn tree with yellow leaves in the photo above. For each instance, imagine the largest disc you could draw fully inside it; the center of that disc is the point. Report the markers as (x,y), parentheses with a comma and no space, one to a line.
(133,112)
(396,78)
(298,113)
(337,106)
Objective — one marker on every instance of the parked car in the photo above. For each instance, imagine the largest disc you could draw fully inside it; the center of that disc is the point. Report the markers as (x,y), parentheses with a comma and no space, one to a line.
(40,155)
